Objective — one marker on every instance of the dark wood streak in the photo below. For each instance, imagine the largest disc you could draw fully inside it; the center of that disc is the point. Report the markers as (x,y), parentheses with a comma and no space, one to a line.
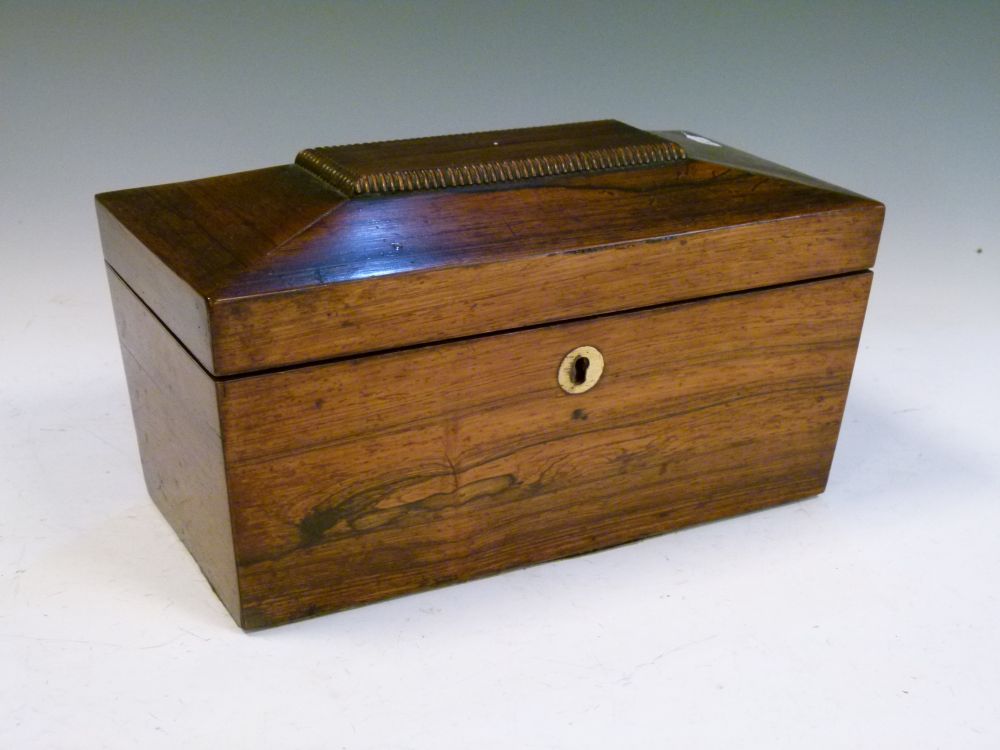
(359,512)
(759,407)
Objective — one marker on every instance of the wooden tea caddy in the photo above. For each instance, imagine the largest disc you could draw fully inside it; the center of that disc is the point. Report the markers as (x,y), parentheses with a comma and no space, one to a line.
(395,365)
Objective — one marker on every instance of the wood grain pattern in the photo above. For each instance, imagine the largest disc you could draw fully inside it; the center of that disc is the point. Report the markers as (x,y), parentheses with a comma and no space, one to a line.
(395,310)
(371,477)
(282,269)
(176,411)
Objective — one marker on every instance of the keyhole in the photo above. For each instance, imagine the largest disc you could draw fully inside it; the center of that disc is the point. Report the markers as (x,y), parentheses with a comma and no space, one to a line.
(580,369)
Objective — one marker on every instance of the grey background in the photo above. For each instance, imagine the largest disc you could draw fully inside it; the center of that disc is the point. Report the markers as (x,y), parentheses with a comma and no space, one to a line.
(866,617)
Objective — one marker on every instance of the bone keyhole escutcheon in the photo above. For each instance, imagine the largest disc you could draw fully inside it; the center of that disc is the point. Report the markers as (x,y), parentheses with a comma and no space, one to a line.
(580,370)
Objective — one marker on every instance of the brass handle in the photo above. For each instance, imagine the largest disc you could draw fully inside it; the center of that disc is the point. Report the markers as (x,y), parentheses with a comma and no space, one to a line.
(489,158)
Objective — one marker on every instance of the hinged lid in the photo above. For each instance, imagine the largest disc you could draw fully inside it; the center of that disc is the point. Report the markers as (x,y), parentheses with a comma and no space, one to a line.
(370,247)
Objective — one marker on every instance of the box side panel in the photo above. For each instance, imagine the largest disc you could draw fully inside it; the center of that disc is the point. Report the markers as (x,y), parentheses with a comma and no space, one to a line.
(175,406)
(367,478)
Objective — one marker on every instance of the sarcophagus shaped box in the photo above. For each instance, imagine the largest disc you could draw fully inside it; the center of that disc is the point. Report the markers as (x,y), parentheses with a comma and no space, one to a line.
(395,365)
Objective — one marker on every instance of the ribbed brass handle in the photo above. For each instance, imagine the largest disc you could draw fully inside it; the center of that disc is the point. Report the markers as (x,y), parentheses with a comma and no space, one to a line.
(486,158)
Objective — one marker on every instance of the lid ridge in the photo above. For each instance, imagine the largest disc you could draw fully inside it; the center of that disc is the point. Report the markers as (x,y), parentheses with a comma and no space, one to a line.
(490,157)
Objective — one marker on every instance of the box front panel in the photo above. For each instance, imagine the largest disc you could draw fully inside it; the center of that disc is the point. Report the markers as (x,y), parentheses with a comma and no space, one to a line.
(367,478)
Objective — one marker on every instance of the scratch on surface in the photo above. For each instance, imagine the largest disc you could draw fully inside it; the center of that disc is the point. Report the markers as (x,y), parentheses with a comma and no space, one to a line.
(627,678)
(107,443)
(159,645)
(191,633)
(689,644)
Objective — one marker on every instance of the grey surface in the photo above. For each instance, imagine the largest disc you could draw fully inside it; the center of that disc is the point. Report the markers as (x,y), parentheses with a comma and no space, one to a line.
(864,618)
